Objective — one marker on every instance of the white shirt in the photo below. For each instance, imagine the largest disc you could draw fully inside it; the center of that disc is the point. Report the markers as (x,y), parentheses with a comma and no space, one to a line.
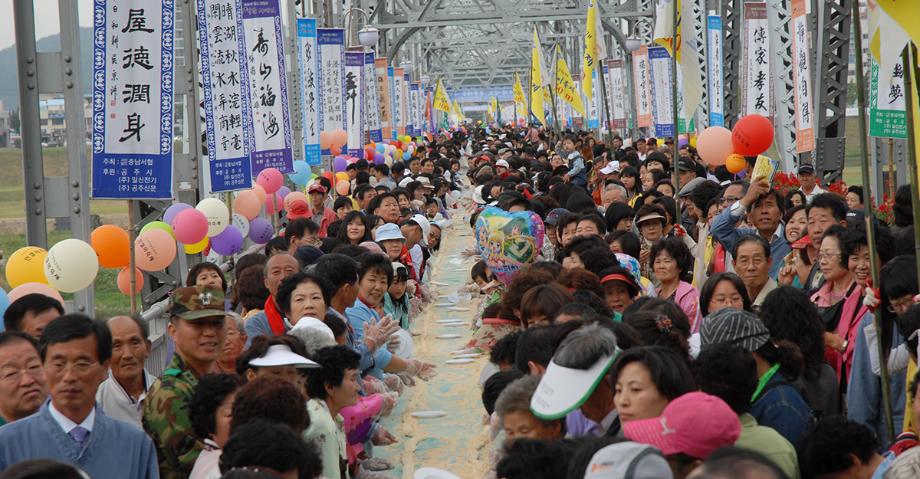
(606,423)
(116,403)
(66,424)
(814,192)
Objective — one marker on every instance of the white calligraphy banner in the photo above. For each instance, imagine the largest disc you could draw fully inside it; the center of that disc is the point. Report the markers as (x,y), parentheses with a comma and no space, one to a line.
(354,101)
(270,135)
(222,57)
(132,99)
(384,96)
(757,91)
(642,87)
(662,108)
(616,93)
(399,101)
(714,76)
(331,42)
(307,51)
(371,102)
(801,80)
(414,107)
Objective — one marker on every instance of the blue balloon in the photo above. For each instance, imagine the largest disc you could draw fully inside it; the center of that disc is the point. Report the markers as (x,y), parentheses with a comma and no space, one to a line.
(381,148)
(300,179)
(4,303)
(301,166)
(406,156)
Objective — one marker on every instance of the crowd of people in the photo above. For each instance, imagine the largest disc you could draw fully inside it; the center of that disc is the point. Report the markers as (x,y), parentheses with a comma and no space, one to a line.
(709,327)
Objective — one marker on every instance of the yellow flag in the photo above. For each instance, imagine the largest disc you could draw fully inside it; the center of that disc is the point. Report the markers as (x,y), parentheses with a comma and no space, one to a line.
(590,58)
(519,99)
(565,86)
(537,79)
(441,100)
(904,12)
(690,71)
(458,111)
(664,24)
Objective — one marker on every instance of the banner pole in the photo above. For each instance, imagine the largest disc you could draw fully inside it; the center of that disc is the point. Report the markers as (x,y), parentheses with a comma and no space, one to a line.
(132,263)
(674,112)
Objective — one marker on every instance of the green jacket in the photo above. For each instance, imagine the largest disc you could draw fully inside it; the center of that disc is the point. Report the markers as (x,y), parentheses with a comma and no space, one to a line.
(167,422)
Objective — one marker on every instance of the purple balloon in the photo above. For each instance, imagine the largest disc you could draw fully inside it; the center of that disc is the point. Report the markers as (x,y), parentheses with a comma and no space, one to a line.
(339,163)
(228,242)
(682,141)
(172,211)
(378,159)
(260,231)
(283,191)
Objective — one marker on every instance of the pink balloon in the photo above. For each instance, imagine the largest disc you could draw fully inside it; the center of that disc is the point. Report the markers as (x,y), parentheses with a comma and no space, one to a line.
(124,281)
(155,249)
(714,145)
(35,288)
(270,179)
(275,205)
(295,197)
(190,226)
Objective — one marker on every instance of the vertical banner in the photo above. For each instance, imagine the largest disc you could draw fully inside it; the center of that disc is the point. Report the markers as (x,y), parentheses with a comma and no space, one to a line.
(132,99)
(714,77)
(354,101)
(429,110)
(801,80)
(385,103)
(662,109)
(887,115)
(399,101)
(757,94)
(394,108)
(371,102)
(270,131)
(414,116)
(222,58)
(616,91)
(599,98)
(406,113)
(306,50)
(592,112)
(331,43)
(643,89)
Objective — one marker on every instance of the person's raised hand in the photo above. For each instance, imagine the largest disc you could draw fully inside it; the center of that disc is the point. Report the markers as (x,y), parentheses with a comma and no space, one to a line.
(759,187)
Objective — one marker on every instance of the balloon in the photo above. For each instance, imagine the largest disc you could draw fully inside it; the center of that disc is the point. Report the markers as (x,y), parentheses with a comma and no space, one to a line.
(34,288)
(112,245)
(378,159)
(274,204)
(330,176)
(229,242)
(388,160)
(508,241)
(335,150)
(381,147)
(160,225)
(339,163)
(154,250)
(339,137)
(682,141)
(301,174)
(325,140)
(270,179)
(198,247)
(4,302)
(369,154)
(735,163)
(247,204)
(714,145)
(217,214)
(241,222)
(71,265)
(173,210)
(260,192)
(752,135)
(342,187)
(26,265)
(301,166)
(295,197)
(190,225)
(406,155)
(260,231)
(124,281)
(341,176)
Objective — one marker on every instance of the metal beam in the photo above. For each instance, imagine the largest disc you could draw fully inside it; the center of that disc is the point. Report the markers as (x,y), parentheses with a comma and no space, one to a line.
(402,21)
(833,43)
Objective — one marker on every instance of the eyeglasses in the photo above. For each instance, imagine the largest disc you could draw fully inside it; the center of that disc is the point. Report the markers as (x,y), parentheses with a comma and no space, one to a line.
(730,199)
(80,366)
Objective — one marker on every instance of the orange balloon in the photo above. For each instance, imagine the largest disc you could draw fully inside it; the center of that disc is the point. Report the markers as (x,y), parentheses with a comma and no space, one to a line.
(341,176)
(335,150)
(124,281)
(735,163)
(260,192)
(342,187)
(247,204)
(339,137)
(113,246)
(325,140)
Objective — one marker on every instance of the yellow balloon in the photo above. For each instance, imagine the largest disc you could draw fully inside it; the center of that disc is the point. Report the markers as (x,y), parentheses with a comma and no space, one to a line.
(341,176)
(26,265)
(693,140)
(197,247)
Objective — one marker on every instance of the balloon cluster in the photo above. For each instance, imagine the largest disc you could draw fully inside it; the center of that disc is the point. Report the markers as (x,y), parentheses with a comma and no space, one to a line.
(333,140)
(751,136)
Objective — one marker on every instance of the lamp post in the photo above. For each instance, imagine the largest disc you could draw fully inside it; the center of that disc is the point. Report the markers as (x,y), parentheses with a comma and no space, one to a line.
(367,36)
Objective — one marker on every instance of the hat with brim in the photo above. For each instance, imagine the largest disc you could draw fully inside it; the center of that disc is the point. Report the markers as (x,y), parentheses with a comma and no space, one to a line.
(628,460)
(388,231)
(197,302)
(562,390)
(423,223)
(281,355)
(611,167)
(649,217)
(691,185)
(623,279)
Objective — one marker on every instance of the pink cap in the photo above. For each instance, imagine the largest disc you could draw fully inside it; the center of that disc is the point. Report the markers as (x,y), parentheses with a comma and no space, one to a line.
(695,424)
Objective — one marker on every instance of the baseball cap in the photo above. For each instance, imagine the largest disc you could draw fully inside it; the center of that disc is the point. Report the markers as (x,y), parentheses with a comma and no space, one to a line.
(317,188)
(397,266)
(691,185)
(552,218)
(197,302)
(806,169)
(298,209)
(628,460)
(695,424)
(685,164)
(426,227)
(502,163)
(388,231)
(736,327)
(627,281)
(562,390)
(611,167)
(405,181)
(281,355)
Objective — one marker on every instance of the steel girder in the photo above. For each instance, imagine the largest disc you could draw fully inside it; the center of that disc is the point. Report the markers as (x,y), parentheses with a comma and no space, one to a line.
(731,57)
(833,26)
(779,14)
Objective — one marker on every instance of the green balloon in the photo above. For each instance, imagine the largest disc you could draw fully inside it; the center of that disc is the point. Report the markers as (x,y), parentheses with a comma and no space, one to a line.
(158,225)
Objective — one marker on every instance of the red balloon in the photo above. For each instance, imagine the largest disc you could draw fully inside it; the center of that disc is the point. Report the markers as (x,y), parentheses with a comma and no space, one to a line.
(752,135)
(335,150)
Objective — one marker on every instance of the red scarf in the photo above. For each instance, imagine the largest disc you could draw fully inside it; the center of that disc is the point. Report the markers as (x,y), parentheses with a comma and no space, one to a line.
(275,319)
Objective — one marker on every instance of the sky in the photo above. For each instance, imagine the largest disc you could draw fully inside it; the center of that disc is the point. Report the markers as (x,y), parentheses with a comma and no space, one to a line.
(46,19)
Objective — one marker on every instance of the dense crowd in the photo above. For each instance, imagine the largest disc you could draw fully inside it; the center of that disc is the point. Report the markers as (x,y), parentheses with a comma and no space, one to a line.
(715,326)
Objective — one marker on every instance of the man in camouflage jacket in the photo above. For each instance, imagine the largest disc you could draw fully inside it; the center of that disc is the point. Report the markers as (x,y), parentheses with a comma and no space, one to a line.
(196,325)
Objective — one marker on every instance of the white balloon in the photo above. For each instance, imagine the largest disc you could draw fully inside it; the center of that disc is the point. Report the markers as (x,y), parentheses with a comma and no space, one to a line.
(217,214)
(241,224)
(71,265)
